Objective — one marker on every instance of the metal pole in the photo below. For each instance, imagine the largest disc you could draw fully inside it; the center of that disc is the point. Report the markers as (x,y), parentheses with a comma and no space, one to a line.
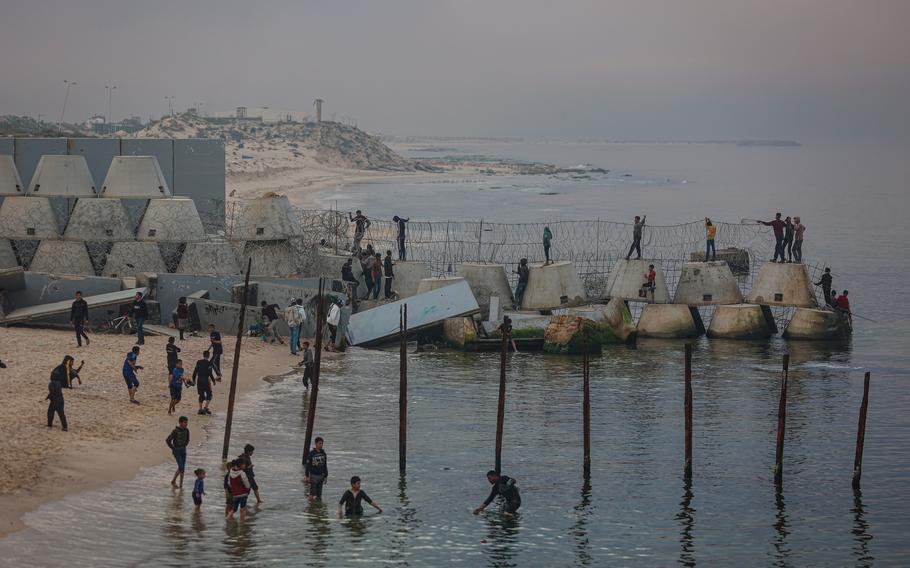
(233,391)
(501,410)
(317,363)
(479,241)
(688,410)
(781,424)
(586,406)
(403,389)
(861,433)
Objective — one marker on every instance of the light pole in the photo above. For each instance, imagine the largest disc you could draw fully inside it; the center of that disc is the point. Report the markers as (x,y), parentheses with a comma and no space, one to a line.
(170,104)
(110,94)
(65,97)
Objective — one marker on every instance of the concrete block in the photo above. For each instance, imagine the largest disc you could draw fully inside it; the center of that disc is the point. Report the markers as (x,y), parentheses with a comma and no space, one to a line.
(736,259)
(486,280)
(129,258)
(267,218)
(706,284)
(209,257)
(628,276)
(742,321)
(617,314)
(171,220)
(12,279)
(135,177)
(10,182)
(459,331)
(552,286)
(328,265)
(782,284)
(568,334)
(429,284)
(42,312)
(813,324)
(99,220)
(62,257)
(270,258)
(408,275)
(495,312)
(28,218)
(7,255)
(62,176)
(670,321)
(224,315)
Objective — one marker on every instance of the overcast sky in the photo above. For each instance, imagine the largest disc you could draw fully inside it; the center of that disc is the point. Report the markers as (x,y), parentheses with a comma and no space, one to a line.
(797,69)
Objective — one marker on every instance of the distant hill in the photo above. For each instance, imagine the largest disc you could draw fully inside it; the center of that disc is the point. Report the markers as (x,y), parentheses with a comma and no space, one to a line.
(24,126)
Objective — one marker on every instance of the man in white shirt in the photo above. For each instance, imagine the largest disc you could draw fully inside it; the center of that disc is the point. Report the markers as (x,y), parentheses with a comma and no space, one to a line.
(295,315)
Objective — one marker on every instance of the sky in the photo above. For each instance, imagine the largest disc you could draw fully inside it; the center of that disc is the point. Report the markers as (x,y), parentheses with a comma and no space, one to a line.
(637,69)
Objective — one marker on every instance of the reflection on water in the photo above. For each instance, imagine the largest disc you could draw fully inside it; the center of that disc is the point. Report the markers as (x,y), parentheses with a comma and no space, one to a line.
(861,536)
(583,513)
(781,527)
(686,518)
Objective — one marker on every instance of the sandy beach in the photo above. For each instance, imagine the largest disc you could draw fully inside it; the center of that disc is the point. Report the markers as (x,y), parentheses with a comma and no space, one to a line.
(109,439)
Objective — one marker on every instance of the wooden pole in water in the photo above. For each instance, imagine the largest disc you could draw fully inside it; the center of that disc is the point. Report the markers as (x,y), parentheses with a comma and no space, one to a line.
(501,411)
(233,391)
(586,406)
(403,389)
(688,410)
(781,424)
(317,363)
(861,433)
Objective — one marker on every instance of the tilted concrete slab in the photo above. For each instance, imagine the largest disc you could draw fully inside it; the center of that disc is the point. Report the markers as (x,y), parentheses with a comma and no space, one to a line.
(99,219)
(209,257)
(706,284)
(429,284)
(10,182)
(380,324)
(486,280)
(128,258)
(12,279)
(62,176)
(627,278)
(813,324)
(62,257)
(171,220)
(36,313)
(742,321)
(27,218)
(267,218)
(7,255)
(553,285)
(670,321)
(270,258)
(135,177)
(783,284)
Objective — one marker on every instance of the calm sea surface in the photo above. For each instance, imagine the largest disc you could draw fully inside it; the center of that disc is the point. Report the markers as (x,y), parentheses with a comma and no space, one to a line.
(636,510)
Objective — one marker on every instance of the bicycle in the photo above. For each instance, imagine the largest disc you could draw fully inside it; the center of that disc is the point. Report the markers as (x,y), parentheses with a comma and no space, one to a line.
(120,324)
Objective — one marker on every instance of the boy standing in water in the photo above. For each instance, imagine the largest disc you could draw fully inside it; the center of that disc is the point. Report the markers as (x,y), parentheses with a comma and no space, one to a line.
(504,487)
(178,440)
(316,470)
(352,498)
(199,488)
(240,489)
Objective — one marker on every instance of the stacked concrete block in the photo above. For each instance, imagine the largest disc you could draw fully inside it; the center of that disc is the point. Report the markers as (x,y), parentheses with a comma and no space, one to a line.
(171,220)
(706,284)
(7,255)
(128,258)
(135,177)
(553,285)
(486,280)
(62,176)
(62,257)
(627,281)
(270,258)
(670,321)
(267,218)
(28,217)
(10,182)
(814,324)
(783,284)
(209,257)
(742,321)
(99,219)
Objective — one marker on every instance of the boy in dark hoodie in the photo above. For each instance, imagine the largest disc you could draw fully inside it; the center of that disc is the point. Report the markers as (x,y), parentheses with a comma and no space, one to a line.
(178,440)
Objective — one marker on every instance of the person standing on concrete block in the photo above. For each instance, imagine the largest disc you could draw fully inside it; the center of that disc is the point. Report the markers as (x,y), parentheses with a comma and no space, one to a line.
(637,231)
(778,227)
(366,268)
(651,284)
(377,275)
(825,283)
(547,237)
(402,230)
(710,233)
(524,274)
(78,317)
(55,404)
(843,305)
(798,231)
(389,274)
(217,350)
(361,224)
(270,319)
(350,281)
(140,312)
(788,238)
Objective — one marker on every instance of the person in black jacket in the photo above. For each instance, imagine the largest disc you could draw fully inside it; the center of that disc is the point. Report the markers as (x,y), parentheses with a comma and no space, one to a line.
(64,373)
(504,487)
(316,470)
(177,441)
(78,317)
(55,398)
(140,312)
(347,275)
(389,273)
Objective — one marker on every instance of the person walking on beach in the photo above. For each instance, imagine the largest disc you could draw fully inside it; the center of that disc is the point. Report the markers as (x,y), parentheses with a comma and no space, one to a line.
(524,274)
(140,312)
(825,283)
(130,367)
(64,373)
(778,227)
(361,224)
(217,350)
(389,274)
(651,283)
(202,376)
(377,275)
(295,315)
(171,351)
(183,316)
(307,364)
(198,487)
(316,469)
(798,231)
(247,458)
(270,320)
(788,238)
(177,441)
(401,222)
(78,317)
(504,487)
(637,231)
(55,404)
(240,489)
(710,233)
(353,498)
(547,238)
(175,385)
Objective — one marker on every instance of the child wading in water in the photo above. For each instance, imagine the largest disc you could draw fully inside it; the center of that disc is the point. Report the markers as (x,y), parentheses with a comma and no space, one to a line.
(177,442)
(240,489)
(175,383)
(352,498)
(199,488)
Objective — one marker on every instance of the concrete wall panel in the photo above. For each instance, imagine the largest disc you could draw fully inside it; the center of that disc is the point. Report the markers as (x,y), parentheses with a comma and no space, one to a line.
(98,153)
(199,173)
(29,150)
(161,149)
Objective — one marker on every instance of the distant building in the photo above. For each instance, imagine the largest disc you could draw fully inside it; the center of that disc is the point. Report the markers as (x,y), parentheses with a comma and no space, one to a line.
(241,112)
(262,114)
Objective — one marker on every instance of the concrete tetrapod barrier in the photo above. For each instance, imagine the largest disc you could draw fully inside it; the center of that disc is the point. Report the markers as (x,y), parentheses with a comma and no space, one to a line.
(130,257)
(783,284)
(706,284)
(809,323)
(209,257)
(328,265)
(626,279)
(270,258)
(7,255)
(267,218)
(430,284)
(135,177)
(174,220)
(27,218)
(742,321)
(62,176)
(408,276)
(99,219)
(62,257)
(552,286)
(486,280)
(10,182)
(670,321)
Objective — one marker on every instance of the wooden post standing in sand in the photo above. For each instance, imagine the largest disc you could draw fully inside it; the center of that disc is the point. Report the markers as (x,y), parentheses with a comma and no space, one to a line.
(586,407)
(501,410)
(317,363)
(688,409)
(781,424)
(403,389)
(861,433)
(233,391)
